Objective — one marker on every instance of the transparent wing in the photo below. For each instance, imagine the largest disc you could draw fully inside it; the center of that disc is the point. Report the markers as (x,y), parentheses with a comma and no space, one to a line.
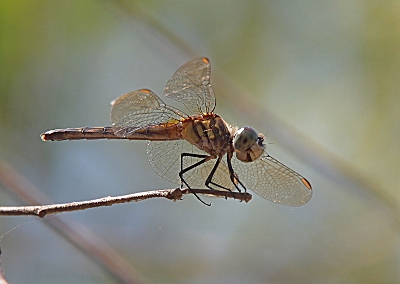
(191,86)
(138,109)
(273,181)
(165,158)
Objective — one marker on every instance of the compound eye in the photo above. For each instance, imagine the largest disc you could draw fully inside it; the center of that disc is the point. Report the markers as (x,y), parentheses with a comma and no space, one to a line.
(245,138)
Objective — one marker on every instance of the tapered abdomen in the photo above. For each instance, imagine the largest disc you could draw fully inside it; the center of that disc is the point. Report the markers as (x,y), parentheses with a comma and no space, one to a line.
(155,133)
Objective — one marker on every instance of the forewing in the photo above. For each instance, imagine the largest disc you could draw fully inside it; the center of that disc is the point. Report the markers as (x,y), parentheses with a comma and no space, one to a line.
(191,86)
(273,180)
(165,158)
(138,109)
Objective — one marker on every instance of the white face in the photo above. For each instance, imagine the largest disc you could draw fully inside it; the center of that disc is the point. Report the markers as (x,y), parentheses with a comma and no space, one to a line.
(248,144)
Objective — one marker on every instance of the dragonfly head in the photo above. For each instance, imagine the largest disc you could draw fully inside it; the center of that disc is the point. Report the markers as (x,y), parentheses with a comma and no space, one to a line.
(248,144)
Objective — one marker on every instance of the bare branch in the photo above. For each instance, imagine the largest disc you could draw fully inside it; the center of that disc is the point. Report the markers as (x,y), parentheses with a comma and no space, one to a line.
(75,233)
(172,194)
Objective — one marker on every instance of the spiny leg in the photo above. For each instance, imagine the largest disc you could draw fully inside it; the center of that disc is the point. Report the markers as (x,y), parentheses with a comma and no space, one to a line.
(211,175)
(205,158)
(235,180)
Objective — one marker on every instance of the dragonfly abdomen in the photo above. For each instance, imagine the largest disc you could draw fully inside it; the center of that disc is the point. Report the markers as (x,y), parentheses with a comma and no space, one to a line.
(79,133)
(161,132)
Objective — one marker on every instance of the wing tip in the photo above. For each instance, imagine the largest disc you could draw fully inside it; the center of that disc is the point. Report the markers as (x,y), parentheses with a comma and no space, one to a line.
(306,183)
(205,60)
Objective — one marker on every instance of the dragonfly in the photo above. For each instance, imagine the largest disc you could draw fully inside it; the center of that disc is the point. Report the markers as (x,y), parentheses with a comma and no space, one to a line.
(196,147)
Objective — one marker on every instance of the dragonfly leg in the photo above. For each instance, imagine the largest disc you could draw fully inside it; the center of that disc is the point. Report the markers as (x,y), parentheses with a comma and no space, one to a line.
(205,158)
(233,176)
(211,175)
(208,181)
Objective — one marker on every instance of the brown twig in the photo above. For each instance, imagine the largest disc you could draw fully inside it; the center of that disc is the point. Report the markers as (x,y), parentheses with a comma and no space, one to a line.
(78,235)
(173,194)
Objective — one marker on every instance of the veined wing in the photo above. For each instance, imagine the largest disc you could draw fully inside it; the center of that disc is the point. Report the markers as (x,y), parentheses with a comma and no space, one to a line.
(191,86)
(138,109)
(273,180)
(165,158)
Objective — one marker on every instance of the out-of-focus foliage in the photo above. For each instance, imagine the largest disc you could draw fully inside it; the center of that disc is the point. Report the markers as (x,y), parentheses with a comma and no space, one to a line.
(329,69)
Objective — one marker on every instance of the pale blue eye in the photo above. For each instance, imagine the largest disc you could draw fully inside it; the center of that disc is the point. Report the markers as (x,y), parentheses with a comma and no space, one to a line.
(245,138)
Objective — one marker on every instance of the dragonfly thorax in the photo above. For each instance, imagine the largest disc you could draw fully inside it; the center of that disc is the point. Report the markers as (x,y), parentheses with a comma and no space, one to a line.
(208,132)
(248,144)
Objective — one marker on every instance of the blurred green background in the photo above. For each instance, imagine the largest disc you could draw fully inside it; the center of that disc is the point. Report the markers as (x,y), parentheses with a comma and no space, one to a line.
(325,79)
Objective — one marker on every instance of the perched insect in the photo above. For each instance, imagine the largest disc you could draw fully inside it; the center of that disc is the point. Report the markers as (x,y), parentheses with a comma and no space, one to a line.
(188,148)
